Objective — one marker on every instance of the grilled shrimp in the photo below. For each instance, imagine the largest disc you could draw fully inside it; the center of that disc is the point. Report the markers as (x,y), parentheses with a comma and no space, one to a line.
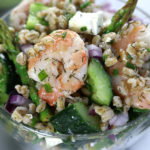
(130,84)
(64,59)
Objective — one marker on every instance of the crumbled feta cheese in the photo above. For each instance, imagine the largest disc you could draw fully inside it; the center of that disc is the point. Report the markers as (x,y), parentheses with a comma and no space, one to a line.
(90,23)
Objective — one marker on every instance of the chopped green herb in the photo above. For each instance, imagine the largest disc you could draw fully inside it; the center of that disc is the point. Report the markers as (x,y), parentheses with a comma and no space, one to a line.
(83,28)
(48,88)
(84,5)
(105,57)
(64,35)
(148,49)
(42,75)
(115,72)
(68,16)
(16,37)
(129,65)
(130,57)
(34,121)
(70,1)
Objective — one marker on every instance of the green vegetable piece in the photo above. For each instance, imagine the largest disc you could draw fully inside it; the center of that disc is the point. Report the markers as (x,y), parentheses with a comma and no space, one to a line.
(84,5)
(75,119)
(68,16)
(129,65)
(42,75)
(137,110)
(34,121)
(83,29)
(3,98)
(33,19)
(130,57)
(115,72)
(148,49)
(46,115)
(100,82)
(48,88)
(64,35)
(121,17)
(104,57)
(13,51)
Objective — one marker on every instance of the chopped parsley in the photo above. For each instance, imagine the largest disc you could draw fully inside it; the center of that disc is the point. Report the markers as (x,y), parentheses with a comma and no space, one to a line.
(130,57)
(48,88)
(129,65)
(83,28)
(64,35)
(148,49)
(16,37)
(84,5)
(42,75)
(70,1)
(105,57)
(115,72)
(68,16)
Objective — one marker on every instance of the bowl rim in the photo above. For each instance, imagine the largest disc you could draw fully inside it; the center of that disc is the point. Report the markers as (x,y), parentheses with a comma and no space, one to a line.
(79,137)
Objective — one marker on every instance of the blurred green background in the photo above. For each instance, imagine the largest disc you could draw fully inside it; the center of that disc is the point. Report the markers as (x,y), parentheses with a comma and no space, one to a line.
(6,5)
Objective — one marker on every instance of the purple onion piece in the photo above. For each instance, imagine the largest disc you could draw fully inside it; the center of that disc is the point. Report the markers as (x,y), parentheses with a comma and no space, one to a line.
(24,47)
(119,120)
(112,137)
(107,7)
(92,111)
(95,52)
(15,100)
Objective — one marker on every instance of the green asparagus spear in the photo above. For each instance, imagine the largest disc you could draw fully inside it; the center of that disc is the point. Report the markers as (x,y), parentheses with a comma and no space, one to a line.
(121,17)
(45,115)
(12,52)
(3,74)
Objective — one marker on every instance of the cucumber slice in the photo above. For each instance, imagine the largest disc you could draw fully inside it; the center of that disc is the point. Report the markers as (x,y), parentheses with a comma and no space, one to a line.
(100,82)
(33,19)
(75,119)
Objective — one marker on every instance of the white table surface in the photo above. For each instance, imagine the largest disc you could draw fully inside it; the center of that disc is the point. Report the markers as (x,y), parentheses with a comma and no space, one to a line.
(144,142)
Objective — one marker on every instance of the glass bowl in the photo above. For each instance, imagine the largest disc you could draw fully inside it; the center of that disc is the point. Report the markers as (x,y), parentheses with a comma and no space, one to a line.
(116,139)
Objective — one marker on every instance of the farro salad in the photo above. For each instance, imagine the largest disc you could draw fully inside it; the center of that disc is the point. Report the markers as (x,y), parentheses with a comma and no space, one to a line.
(70,66)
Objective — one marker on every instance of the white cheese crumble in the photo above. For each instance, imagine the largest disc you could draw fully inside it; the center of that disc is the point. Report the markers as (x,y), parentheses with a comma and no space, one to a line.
(90,23)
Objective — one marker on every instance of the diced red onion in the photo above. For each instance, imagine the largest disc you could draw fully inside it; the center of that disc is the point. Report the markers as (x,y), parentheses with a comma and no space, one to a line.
(92,111)
(112,137)
(95,51)
(24,47)
(119,120)
(107,7)
(16,100)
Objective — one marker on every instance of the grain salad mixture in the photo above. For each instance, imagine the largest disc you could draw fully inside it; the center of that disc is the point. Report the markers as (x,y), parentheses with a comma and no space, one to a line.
(70,66)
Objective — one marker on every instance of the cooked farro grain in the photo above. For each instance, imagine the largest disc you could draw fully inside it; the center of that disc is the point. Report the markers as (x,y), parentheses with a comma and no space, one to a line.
(40,28)
(71,9)
(110,61)
(41,106)
(129,72)
(104,126)
(19,113)
(23,90)
(27,119)
(60,104)
(21,58)
(28,36)
(96,40)
(62,22)
(32,108)
(117,102)
(105,112)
